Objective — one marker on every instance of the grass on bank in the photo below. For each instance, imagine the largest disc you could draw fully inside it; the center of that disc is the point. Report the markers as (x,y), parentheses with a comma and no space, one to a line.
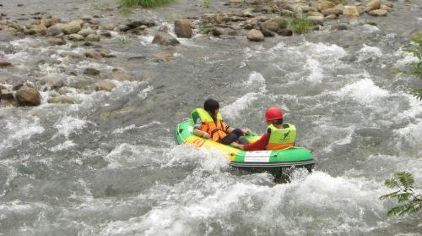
(300,25)
(144,3)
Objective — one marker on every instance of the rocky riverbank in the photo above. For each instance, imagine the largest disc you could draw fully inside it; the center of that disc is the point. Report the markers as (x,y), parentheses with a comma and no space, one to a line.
(254,20)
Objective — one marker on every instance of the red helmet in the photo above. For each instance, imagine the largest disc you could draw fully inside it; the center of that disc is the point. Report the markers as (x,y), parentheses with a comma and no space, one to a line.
(273,113)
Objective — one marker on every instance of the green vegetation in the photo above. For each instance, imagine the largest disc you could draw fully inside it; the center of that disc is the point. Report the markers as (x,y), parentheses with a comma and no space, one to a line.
(206,3)
(124,41)
(409,201)
(416,70)
(143,3)
(300,25)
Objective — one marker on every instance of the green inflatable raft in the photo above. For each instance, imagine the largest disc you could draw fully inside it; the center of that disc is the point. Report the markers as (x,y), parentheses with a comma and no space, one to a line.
(273,161)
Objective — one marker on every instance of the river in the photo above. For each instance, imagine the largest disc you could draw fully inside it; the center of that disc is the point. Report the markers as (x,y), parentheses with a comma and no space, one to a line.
(109,165)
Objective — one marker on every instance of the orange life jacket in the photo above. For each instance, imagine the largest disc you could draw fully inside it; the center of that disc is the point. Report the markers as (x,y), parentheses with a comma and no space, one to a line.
(215,128)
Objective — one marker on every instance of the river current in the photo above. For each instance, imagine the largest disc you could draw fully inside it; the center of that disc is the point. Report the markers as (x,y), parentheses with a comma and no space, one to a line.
(109,165)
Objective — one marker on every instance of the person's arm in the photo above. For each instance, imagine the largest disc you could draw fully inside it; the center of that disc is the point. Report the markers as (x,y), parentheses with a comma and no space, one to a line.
(230,129)
(201,133)
(259,144)
(197,129)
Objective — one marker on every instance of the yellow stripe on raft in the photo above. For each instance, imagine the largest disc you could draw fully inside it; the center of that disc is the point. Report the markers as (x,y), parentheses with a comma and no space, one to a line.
(228,151)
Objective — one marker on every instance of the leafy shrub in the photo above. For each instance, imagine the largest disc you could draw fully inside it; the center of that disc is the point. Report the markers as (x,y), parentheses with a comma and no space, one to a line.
(409,201)
(300,25)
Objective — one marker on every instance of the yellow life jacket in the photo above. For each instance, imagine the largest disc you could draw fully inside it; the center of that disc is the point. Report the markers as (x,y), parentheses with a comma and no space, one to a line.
(215,128)
(281,138)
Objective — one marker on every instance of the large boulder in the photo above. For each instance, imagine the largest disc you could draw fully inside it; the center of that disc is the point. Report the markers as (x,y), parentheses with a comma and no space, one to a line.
(255,35)
(373,5)
(27,96)
(351,11)
(73,27)
(55,29)
(275,24)
(38,29)
(183,28)
(165,39)
(86,32)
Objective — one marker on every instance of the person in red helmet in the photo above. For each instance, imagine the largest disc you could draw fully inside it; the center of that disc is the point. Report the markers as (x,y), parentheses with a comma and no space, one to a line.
(278,136)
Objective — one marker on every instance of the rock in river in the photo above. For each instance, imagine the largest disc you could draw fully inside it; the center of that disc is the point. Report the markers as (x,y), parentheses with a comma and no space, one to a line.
(183,28)
(255,35)
(165,39)
(27,96)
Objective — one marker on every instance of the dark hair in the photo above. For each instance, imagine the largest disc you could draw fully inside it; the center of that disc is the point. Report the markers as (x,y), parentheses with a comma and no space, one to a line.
(278,122)
(211,105)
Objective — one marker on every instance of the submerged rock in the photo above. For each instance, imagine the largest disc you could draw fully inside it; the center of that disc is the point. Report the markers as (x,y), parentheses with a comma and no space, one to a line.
(27,96)
(6,94)
(56,41)
(91,71)
(165,39)
(5,64)
(183,28)
(62,100)
(105,85)
(73,27)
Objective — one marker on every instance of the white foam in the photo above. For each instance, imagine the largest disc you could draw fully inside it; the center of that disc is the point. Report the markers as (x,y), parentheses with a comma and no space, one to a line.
(20,130)
(217,198)
(63,146)
(68,125)
(366,28)
(235,109)
(363,91)
(256,80)
(132,127)
(368,52)
(316,70)
(321,51)
(405,60)
(126,155)
(208,159)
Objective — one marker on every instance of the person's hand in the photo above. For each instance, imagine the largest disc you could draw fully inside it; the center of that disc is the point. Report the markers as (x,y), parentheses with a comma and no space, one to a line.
(237,145)
(246,130)
(206,135)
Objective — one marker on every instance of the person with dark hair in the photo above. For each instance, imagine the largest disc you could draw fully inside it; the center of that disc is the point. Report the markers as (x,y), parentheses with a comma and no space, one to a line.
(210,124)
(278,136)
